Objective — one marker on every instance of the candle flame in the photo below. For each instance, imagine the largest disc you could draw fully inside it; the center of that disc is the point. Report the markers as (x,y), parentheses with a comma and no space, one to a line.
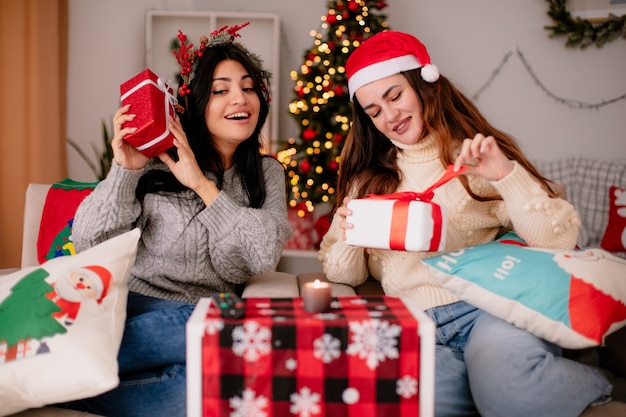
(317,283)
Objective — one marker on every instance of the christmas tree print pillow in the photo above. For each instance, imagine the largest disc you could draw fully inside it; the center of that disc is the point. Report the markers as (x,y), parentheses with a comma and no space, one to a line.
(614,238)
(573,298)
(55,231)
(61,325)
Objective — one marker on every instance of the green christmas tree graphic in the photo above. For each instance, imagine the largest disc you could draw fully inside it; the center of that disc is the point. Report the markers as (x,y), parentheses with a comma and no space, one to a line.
(26,313)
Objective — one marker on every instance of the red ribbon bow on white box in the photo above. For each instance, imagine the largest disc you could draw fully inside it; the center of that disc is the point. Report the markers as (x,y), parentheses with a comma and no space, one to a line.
(400,214)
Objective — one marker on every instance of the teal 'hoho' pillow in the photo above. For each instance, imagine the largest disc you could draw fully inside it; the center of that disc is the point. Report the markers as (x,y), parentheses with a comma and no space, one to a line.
(574,298)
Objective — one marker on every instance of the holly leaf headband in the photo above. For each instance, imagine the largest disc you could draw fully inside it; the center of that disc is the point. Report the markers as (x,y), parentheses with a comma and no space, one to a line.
(187,56)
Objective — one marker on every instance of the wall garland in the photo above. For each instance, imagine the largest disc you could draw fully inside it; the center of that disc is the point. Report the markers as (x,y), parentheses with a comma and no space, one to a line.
(583,32)
(568,102)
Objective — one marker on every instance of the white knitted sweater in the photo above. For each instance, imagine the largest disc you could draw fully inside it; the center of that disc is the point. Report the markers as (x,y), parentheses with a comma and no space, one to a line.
(540,220)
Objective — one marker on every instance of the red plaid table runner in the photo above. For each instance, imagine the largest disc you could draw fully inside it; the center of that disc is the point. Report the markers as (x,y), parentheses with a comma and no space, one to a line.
(360,359)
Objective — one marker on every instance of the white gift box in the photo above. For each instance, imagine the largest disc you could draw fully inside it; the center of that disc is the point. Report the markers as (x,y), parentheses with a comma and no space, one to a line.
(398,224)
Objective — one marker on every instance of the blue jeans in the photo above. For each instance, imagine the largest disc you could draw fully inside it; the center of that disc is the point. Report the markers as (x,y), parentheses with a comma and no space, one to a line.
(151,363)
(487,367)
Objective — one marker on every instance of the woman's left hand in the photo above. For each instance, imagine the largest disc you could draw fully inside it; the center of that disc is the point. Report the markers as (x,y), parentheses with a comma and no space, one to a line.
(186,169)
(483,157)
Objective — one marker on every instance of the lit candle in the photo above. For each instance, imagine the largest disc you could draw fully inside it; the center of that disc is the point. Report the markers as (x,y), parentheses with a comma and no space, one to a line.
(316,296)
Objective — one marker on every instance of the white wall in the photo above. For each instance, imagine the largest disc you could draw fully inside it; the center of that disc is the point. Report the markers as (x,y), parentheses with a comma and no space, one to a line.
(466,40)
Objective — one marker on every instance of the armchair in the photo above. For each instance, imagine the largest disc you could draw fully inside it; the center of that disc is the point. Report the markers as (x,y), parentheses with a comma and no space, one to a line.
(274,284)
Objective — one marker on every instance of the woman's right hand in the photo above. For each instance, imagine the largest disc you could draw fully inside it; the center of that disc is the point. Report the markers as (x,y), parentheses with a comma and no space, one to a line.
(343,211)
(125,154)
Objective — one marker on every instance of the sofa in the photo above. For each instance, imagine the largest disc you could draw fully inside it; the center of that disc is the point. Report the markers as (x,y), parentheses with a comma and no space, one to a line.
(587,183)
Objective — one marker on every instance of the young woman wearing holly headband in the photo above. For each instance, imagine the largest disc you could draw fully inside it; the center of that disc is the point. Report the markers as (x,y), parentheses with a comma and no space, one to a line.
(409,125)
(212,214)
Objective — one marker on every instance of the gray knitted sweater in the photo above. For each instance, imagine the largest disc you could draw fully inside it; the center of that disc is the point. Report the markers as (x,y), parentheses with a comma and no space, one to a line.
(186,250)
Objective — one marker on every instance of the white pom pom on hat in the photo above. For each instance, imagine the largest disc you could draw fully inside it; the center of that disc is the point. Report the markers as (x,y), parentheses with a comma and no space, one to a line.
(430,73)
(385,54)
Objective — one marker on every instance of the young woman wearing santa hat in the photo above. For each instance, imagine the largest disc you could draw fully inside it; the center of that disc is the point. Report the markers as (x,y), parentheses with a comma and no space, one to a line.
(212,214)
(409,124)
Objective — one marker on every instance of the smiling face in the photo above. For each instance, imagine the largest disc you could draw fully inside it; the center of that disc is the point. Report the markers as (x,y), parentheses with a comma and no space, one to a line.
(232,112)
(394,107)
(77,286)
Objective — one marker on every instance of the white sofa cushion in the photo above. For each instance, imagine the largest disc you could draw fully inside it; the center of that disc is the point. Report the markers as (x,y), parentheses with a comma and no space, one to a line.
(33,208)
(55,348)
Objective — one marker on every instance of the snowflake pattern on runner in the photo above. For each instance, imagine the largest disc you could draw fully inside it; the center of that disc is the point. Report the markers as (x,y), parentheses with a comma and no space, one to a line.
(374,340)
(326,348)
(252,341)
(406,387)
(249,405)
(327,316)
(370,342)
(305,403)
(350,395)
(291,364)
(213,326)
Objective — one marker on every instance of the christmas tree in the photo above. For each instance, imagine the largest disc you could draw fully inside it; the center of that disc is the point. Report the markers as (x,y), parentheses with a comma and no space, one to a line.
(26,313)
(322,105)
(62,244)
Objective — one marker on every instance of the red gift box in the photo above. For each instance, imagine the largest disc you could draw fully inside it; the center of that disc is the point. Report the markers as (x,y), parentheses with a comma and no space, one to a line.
(152,101)
(368,356)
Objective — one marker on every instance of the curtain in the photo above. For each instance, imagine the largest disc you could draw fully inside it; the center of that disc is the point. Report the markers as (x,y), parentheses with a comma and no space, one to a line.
(33,71)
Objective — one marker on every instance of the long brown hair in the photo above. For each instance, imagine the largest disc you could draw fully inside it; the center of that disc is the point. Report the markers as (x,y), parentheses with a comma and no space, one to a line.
(368,158)
(247,157)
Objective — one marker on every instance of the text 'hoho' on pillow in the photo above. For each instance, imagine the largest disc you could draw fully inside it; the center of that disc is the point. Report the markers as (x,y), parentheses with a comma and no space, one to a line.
(573,298)
(61,326)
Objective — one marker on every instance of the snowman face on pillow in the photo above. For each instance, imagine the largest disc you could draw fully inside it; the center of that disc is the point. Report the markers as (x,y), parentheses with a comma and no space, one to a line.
(586,264)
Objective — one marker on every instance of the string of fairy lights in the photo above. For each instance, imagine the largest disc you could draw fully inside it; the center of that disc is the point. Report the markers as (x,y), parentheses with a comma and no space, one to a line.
(566,101)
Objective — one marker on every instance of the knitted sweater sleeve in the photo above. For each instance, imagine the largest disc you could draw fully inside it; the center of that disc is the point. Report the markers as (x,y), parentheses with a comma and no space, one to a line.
(537,218)
(341,262)
(247,241)
(111,209)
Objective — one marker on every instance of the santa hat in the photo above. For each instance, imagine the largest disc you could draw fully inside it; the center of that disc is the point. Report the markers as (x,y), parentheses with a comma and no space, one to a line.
(101,278)
(385,54)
